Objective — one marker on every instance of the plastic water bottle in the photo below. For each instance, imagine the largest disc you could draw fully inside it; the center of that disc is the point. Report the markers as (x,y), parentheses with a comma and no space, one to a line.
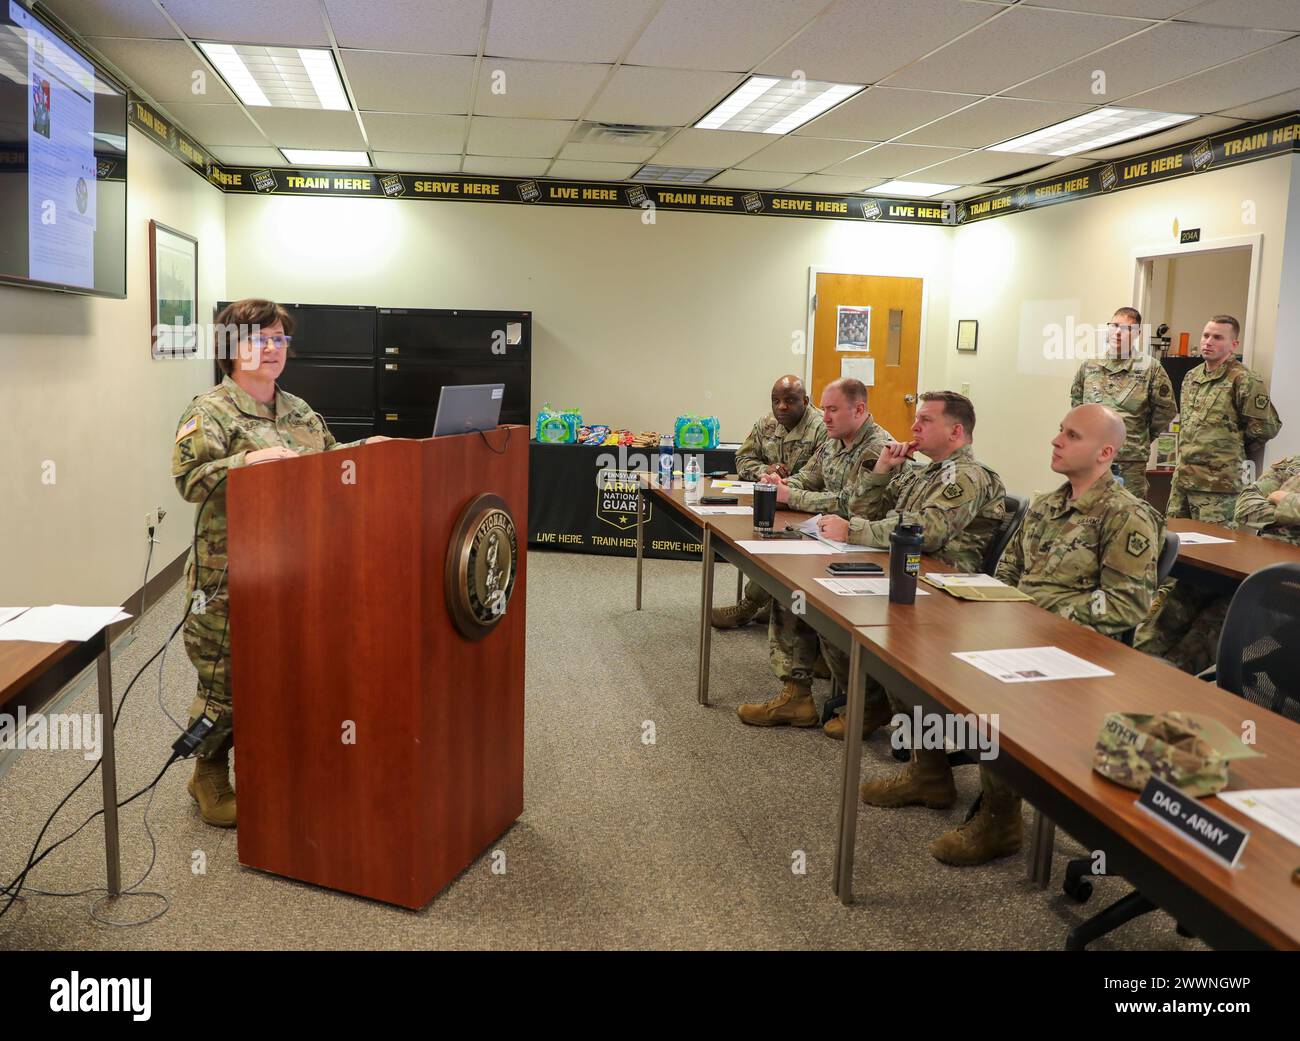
(666,461)
(692,478)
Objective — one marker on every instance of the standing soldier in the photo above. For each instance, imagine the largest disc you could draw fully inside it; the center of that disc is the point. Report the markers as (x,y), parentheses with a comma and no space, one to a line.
(1134,384)
(834,481)
(780,444)
(1225,415)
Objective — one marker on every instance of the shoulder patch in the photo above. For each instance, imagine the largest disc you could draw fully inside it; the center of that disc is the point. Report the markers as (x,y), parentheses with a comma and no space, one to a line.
(187,429)
(953,491)
(1137,544)
(1261,401)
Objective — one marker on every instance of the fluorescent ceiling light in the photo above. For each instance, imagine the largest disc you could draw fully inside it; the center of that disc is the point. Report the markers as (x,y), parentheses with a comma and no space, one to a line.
(915,189)
(1092,130)
(769,105)
(677,174)
(325,157)
(279,77)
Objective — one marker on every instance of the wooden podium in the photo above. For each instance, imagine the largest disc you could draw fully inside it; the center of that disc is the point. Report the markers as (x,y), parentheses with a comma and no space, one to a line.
(378,750)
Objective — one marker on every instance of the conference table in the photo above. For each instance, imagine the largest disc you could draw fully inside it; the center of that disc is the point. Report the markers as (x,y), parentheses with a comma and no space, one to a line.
(1046,730)
(1223,565)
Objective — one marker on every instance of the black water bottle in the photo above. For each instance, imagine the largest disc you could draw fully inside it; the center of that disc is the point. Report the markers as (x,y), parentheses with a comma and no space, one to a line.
(904,562)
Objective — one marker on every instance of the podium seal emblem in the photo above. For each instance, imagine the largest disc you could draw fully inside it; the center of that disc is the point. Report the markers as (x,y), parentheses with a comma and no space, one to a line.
(482,558)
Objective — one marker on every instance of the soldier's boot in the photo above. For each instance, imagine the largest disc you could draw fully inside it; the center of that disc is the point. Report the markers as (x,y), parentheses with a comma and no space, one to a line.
(925,781)
(995,831)
(877,715)
(792,707)
(736,615)
(211,789)
(764,613)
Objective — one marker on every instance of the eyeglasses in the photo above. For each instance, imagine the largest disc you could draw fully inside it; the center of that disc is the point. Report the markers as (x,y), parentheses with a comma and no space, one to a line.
(276,342)
(1122,327)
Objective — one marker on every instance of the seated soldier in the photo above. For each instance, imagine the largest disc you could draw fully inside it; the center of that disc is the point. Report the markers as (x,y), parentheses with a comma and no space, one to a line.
(780,443)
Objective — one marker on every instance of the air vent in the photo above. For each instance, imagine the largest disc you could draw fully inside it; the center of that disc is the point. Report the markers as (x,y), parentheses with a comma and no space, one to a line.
(589,133)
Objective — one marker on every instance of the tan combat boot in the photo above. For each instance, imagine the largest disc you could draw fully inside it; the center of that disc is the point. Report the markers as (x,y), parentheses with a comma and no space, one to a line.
(211,789)
(877,715)
(925,781)
(735,616)
(993,832)
(764,613)
(792,707)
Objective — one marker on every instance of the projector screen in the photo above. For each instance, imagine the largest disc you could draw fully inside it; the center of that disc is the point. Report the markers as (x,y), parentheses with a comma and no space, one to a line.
(62,163)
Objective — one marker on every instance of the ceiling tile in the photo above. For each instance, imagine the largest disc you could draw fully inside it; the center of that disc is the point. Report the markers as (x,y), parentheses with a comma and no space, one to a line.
(413,162)
(575,170)
(1279,105)
(309,128)
(1186,132)
(537,138)
(508,167)
(608,153)
(289,23)
(992,121)
(428,26)
(889,161)
(1136,8)
(132,18)
(385,82)
(1019,44)
(720,148)
(981,167)
(536,89)
(801,155)
(214,125)
(565,30)
(861,41)
(234,155)
(722,34)
(1051,169)
(1156,56)
(1252,78)
(660,97)
(825,185)
(165,70)
(397,132)
(1253,14)
(965,193)
(755,180)
(879,113)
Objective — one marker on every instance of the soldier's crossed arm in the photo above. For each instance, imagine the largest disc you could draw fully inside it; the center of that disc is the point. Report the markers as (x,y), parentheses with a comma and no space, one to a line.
(950,506)
(1255,510)
(879,493)
(1130,548)
(1163,407)
(1076,389)
(1259,419)
(200,457)
(808,487)
(749,464)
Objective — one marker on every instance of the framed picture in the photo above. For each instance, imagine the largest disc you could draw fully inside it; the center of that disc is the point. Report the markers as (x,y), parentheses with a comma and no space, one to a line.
(968,333)
(173,292)
(852,328)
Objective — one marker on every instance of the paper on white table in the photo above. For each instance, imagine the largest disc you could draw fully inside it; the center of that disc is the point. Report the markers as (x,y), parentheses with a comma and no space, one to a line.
(792,547)
(10,612)
(1278,809)
(736,487)
(1032,664)
(861,586)
(809,527)
(714,511)
(60,622)
(1197,538)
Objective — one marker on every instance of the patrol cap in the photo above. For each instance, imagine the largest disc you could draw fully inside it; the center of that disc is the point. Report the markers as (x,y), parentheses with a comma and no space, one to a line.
(1189,753)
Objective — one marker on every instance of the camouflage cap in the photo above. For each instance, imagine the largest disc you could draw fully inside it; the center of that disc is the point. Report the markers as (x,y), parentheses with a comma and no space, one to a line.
(1171,745)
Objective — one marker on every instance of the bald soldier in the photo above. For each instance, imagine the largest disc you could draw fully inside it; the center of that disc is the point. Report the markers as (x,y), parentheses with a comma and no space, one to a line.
(780,443)
(958,501)
(833,481)
(1186,619)
(1135,385)
(1087,552)
(1225,415)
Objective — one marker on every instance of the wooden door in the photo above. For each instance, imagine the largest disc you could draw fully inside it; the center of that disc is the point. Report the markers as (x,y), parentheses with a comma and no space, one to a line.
(893,341)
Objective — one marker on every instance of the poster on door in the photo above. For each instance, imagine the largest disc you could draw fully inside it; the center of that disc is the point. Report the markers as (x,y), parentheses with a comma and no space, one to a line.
(852,328)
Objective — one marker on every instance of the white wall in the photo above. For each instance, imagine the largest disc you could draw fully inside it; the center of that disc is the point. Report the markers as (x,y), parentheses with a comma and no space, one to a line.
(632,323)
(79,389)
(1076,262)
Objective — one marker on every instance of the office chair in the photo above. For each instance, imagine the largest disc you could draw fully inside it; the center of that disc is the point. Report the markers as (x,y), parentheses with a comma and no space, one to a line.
(1259,660)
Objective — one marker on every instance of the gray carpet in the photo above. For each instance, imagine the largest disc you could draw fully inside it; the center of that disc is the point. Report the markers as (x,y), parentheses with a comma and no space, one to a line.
(688,842)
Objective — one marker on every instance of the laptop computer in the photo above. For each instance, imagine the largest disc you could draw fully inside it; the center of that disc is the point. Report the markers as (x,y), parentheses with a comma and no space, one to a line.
(466,409)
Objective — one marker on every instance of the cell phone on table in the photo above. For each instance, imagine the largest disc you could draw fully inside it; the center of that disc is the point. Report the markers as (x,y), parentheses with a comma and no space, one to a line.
(855,567)
(719,500)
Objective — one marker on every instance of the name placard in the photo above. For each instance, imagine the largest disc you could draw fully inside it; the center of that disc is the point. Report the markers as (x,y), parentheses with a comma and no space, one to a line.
(1218,836)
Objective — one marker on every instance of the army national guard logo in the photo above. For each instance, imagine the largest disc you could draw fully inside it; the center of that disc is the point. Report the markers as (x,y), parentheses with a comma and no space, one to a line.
(616,495)
(481,564)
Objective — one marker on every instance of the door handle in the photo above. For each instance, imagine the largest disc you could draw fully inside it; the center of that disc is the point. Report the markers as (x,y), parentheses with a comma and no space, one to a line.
(910,399)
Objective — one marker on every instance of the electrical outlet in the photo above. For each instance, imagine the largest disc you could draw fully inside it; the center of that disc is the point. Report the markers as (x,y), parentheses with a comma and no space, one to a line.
(965,389)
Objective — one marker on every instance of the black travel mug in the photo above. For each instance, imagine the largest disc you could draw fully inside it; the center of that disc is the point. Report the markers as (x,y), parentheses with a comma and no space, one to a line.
(764,507)
(904,562)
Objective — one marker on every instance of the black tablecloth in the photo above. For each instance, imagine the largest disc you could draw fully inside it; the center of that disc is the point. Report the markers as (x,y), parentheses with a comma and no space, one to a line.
(582,499)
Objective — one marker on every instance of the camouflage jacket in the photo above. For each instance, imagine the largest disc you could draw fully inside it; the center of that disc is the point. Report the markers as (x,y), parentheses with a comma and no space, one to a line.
(215,433)
(1279,520)
(769,442)
(834,479)
(958,502)
(1139,389)
(1224,415)
(1092,560)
